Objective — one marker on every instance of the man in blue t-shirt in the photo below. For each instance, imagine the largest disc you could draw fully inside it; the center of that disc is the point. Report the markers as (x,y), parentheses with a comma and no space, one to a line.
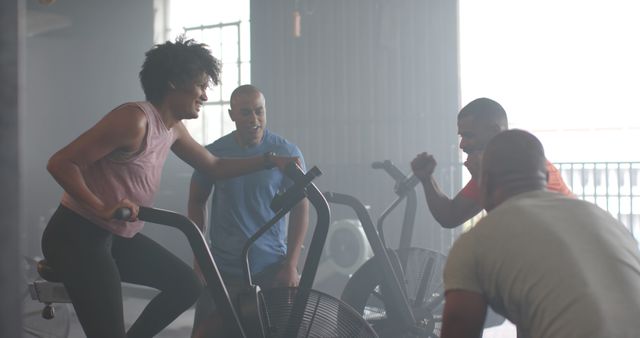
(240,206)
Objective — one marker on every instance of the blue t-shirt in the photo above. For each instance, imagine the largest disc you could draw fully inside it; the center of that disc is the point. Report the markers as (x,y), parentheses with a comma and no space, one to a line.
(240,206)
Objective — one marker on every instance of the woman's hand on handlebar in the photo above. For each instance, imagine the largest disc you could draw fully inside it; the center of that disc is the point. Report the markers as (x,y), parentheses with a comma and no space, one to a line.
(109,213)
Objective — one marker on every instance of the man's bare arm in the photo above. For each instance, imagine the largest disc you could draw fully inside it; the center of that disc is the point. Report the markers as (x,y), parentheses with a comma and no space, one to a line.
(448,212)
(194,154)
(298,224)
(464,314)
(197,207)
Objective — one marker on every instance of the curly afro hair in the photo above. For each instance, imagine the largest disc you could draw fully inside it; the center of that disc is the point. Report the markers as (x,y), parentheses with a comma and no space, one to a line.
(176,63)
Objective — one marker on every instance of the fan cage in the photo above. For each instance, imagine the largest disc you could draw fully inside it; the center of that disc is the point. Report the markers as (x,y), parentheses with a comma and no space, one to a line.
(323,316)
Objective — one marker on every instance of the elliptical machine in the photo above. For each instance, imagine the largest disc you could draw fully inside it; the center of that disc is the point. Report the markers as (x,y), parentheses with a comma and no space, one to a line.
(400,291)
(280,312)
(298,311)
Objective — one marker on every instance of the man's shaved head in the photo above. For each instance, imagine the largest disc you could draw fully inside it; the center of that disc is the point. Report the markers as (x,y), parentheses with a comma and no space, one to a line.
(246,89)
(513,162)
(485,111)
(478,122)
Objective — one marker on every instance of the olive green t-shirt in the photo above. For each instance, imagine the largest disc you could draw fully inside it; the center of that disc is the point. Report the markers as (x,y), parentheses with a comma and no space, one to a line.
(554,266)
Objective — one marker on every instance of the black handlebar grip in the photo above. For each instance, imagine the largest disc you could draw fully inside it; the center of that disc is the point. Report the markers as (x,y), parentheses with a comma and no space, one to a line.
(295,173)
(380,165)
(292,171)
(390,169)
(313,173)
(295,193)
(122,214)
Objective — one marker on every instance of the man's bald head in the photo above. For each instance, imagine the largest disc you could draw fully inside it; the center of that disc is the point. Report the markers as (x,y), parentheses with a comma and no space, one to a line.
(513,162)
(249,113)
(485,111)
(243,90)
(478,122)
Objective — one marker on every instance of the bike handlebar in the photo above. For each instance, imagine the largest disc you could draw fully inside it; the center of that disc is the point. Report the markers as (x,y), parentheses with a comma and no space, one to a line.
(390,169)
(201,252)
(294,194)
(122,214)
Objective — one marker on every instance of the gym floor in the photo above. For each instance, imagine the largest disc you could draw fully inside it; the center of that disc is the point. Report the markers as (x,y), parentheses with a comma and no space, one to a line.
(39,327)
(181,327)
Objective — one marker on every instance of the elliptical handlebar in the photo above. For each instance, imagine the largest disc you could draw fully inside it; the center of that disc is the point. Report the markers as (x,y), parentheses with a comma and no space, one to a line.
(404,188)
(318,240)
(404,183)
(282,204)
(303,187)
(203,256)
(296,193)
(390,169)
(380,252)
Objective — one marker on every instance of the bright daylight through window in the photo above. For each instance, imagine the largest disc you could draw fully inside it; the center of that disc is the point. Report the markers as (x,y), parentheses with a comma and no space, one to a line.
(568,72)
(224,26)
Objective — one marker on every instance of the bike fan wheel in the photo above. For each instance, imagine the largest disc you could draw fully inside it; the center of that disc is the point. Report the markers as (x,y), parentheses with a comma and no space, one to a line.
(422,275)
(323,315)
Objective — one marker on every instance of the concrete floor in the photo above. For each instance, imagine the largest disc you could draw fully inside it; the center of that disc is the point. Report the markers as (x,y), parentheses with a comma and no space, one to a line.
(506,330)
(180,328)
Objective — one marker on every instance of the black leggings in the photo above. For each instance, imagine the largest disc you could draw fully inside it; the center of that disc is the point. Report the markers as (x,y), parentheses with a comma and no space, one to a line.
(93,262)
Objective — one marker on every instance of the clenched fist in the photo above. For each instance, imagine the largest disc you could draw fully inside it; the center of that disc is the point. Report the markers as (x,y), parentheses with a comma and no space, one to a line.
(423,166)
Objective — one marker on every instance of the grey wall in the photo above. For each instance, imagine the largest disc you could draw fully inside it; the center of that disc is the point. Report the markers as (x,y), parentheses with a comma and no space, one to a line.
(365,81)
(11,19)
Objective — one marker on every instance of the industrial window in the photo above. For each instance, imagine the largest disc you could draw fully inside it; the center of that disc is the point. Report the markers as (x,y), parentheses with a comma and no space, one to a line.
(224,26)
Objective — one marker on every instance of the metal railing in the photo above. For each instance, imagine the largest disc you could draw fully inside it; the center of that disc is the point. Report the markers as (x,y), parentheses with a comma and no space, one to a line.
(613,186)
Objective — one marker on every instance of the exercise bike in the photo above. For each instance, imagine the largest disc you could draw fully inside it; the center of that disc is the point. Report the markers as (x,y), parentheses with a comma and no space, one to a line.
(280,312)
(399,292)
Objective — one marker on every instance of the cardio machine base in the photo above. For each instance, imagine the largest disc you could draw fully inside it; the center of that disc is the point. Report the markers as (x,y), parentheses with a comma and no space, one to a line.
(364,292)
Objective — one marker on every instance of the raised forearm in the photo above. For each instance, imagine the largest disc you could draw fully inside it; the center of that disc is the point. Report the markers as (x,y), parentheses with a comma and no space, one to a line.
(197,206)
(456,328)
(223,168)
(197,213)
(216,168)
(463,315)
(438,202)
(298,224)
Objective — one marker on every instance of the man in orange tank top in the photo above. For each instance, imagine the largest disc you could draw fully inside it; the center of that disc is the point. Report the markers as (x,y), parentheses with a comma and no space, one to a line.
(478,122)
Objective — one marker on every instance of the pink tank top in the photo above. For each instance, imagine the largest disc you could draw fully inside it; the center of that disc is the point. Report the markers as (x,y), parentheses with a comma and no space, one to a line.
(134,176)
